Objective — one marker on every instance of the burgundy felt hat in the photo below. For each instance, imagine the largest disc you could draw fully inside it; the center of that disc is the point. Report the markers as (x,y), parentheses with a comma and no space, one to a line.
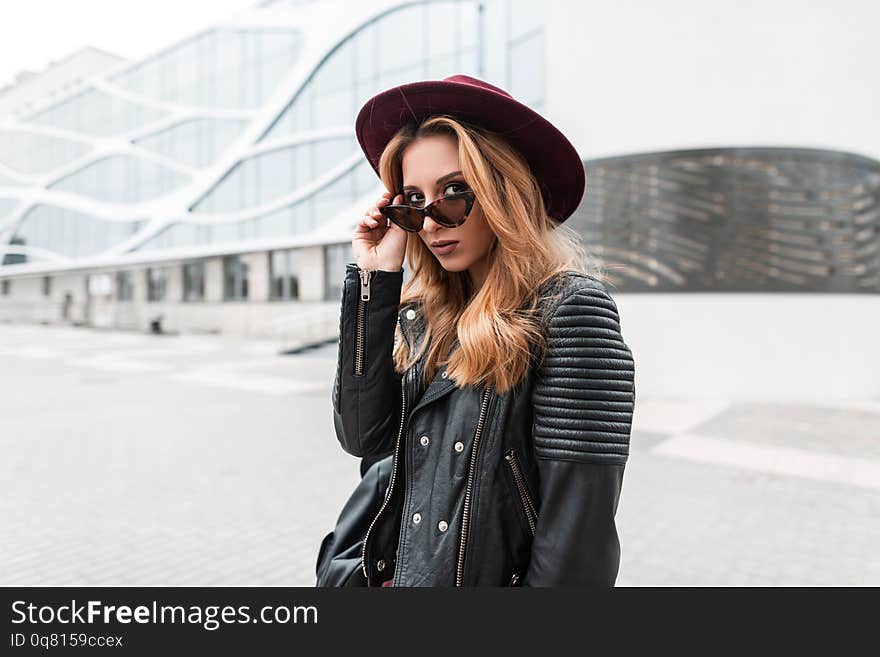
(553,160)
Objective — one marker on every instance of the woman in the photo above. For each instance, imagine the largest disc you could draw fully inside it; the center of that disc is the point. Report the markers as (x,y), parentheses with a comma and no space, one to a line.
(496,384)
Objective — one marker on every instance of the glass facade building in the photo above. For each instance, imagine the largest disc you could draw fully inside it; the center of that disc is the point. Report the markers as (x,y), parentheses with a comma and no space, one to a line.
(225,168)
(232,136)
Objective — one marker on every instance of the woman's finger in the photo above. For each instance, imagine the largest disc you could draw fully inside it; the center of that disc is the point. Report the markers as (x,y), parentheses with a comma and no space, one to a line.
(366,224)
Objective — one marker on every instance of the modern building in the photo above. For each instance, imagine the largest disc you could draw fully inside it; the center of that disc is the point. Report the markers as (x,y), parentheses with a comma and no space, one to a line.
(215,185)
(31,90)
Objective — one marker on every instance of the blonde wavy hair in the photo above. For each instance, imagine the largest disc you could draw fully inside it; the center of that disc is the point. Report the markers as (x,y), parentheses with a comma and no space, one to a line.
(498,328)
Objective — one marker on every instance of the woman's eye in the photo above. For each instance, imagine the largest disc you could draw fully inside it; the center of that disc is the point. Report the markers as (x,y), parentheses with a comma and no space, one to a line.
(415,198)
(455,187)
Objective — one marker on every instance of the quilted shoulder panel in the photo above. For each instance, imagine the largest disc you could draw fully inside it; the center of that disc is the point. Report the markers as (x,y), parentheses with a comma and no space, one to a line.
(585,387)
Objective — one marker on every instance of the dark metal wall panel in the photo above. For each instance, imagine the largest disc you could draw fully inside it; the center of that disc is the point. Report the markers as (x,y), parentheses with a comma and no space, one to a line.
(735,219)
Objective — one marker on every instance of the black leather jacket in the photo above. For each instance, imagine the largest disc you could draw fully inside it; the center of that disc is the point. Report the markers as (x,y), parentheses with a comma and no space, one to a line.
(488,489)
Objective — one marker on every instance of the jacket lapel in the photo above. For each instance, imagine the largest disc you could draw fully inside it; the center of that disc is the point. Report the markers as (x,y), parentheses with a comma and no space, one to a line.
(413,332)
(412,326)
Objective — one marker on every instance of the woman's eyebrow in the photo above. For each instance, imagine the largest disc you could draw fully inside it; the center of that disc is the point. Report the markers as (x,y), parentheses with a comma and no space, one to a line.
(440,180)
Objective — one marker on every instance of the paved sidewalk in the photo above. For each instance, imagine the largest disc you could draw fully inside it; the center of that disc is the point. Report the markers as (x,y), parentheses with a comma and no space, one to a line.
(202,460)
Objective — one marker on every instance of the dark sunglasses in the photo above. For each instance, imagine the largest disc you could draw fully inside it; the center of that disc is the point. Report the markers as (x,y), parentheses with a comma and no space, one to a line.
(450,211)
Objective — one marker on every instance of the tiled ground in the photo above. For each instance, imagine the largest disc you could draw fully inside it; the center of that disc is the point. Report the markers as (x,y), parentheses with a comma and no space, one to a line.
(201,460)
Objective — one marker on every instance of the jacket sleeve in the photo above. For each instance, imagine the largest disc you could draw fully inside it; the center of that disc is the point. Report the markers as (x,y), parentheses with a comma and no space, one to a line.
(366,389)
(583,399)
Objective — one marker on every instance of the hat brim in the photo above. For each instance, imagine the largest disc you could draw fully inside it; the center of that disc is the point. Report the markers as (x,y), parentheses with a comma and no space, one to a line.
(554,161)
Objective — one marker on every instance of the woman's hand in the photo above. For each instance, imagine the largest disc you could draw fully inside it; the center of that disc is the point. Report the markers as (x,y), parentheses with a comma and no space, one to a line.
(379,243)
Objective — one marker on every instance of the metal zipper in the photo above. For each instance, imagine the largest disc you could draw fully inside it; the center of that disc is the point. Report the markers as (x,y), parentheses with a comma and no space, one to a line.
(465,513)
(528,505)
(403,383)
(360,325)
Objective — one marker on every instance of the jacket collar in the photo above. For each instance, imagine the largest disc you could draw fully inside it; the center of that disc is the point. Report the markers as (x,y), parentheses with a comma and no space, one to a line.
(413,329)
(410,314)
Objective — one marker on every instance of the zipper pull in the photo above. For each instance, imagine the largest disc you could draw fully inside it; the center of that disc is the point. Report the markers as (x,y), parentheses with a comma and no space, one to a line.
(365,284)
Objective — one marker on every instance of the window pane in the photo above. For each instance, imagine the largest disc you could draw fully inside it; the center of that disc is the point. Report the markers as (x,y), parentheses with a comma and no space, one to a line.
(229,288)
(124,286)
(235,278)
(7,205)
(295,219)
(194,281)
(196,142)
(527,70)
(97,113)
(277,272)
(398,47)
(268,176)
(71,233)
(525,16)
(122,179)
(5,181)
(156,284)
(336,257)
(31,153)
(244,274)
(293,272)
(234,69)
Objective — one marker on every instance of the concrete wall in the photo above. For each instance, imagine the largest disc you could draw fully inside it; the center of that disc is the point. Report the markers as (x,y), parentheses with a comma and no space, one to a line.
(214,280)
(640,75)
(312,279)
(747,347)
(760,347)
(291,323)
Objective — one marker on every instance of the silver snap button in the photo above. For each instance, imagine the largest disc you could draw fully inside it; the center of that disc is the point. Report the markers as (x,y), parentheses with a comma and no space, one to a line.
(458,446)
(424,440)
(410,314)
(380,565)
(417,518)
(445,374)
(442,525)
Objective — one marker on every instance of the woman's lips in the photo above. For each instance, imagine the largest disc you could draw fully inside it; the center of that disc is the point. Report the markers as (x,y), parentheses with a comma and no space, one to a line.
(445,249)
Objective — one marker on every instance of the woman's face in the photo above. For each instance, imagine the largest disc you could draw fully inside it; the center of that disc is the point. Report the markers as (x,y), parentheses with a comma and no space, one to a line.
(431,170)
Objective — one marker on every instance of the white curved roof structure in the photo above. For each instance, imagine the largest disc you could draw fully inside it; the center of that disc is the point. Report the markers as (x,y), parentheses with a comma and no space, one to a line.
(242,134)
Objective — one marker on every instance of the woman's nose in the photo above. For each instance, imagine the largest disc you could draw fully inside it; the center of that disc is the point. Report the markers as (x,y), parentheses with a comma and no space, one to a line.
(430,226)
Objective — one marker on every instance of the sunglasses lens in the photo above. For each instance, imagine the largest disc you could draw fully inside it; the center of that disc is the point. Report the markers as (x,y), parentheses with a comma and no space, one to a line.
(450,211)
(403,216)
